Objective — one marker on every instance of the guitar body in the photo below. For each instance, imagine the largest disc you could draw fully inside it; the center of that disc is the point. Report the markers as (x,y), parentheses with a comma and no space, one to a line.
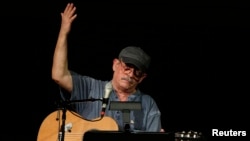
(75,127)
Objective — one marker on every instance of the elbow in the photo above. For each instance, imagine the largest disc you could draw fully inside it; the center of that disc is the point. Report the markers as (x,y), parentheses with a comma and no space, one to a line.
(56,76)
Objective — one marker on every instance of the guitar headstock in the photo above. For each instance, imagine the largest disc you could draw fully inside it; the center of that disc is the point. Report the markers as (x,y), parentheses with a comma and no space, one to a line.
(189,135)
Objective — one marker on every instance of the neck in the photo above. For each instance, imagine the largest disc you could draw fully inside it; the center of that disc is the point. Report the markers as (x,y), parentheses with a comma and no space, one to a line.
(123,96)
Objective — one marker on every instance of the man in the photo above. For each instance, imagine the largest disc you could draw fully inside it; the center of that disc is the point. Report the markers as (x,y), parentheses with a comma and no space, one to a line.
(129,70)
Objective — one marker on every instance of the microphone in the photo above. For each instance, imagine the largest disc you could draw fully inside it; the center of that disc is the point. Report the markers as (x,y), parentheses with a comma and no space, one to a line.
(108,89)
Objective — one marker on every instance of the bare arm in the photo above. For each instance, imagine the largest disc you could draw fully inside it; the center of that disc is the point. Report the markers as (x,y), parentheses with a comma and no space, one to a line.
(60,71)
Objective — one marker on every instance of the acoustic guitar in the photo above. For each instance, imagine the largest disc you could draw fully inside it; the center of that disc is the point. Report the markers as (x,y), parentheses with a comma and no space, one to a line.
(74,127)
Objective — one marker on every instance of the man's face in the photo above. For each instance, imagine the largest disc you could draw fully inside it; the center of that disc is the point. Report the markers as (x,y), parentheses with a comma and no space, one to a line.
(127,75)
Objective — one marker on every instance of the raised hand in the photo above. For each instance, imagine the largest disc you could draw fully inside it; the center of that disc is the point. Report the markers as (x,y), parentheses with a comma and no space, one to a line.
(68,16)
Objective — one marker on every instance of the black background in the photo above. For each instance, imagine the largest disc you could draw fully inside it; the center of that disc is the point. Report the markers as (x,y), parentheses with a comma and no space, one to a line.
(198,74)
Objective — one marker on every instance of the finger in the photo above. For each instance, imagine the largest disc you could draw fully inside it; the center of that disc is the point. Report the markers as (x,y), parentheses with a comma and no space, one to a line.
(69,8)
(73,17)
(72,11)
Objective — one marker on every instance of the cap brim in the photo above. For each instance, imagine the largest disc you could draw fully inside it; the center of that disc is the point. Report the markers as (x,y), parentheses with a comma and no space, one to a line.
(134,62)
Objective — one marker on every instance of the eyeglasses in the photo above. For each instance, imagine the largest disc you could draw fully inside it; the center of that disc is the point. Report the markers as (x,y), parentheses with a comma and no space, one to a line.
(130,67)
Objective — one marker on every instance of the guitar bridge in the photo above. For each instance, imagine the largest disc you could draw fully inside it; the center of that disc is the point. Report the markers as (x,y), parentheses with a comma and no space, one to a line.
(68,127)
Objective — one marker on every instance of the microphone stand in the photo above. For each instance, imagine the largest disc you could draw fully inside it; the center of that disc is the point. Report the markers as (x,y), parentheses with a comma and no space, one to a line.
(64,109)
